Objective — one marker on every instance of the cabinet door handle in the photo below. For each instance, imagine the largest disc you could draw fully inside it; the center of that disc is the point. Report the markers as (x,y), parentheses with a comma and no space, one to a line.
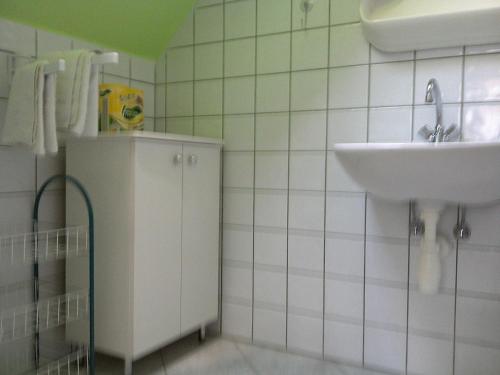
(192,159)
(177,159)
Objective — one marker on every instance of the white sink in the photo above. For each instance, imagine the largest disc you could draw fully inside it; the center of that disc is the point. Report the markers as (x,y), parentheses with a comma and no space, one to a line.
(433,174)
(403,25)
(458,172)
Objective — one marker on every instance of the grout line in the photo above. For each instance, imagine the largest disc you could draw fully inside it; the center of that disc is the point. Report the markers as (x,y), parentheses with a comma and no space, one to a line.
(288,176)
(414,89)
(254,174)
(367,135)
(326,185)
(455,301)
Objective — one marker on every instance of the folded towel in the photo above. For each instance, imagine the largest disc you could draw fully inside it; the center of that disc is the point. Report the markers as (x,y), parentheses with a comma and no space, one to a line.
(24,118)
(92,118)
(72,90)
(49,114)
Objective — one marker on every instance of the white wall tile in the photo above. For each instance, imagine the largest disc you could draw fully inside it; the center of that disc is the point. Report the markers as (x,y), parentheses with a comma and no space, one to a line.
(429,356)
(385,305)
(239,132)
(273,93)
(347,125)
(160,100)
(269,327)
(161,69)
(348,87)
(271,208)
(385,350)
(208,24)
(431,313)
(208,61)
(273,16)
(345,256)
(345,213)
(310,49)
(348,46)
(270,247)
(236,320)
(4,80)
(142,69)
(238,207)
(121,69)
(344,342)
(270,287)
(390,124)
(471,359)
(237,244)
(344,11)
(180,64)
(378,56)
(50,42)
(317,16)
(239,95)
(391,84)
(207,97)
(179,99)
(273,53)
(239,57)
(478,320)
(272,131)
(307,170)
(478,82)
(305,292)
(306,210)
(305,251)
(271,169)
(486,261)
(238,169)
(480,122)
(309,90)
(240,19)
(386,260)
(237,282)
(305,334)
(308,130)
(345,299)
(12,35)
(386,219)
(17,168)
(180,125)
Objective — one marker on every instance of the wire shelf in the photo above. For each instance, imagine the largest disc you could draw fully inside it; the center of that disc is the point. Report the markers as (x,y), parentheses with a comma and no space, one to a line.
(24,321)
(75,363)
(43,246)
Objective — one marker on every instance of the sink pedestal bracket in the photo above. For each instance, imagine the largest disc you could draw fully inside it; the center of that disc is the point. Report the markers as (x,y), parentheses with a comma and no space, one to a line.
(433,248)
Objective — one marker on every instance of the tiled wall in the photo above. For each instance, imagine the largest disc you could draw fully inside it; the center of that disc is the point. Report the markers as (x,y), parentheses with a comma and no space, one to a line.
(21,173)
(311,263)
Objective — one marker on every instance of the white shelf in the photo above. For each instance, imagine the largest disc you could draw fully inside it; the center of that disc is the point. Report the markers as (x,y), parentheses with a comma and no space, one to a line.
(403,25)
(44,246)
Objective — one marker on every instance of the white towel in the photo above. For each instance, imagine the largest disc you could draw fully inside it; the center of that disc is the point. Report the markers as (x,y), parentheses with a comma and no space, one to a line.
(91,128)
(24,118)
(72,90)
(49,114)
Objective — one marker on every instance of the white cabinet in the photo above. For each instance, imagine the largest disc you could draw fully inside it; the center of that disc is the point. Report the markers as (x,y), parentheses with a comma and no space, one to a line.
(156,203)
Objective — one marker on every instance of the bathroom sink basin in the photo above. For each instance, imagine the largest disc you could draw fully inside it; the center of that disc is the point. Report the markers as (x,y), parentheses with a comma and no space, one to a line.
(457,172)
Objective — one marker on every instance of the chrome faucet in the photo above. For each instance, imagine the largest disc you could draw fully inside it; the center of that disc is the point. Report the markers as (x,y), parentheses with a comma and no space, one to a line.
(440,133)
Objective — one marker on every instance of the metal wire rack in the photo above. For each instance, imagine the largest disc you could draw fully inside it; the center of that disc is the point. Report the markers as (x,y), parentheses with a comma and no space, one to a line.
(29,308)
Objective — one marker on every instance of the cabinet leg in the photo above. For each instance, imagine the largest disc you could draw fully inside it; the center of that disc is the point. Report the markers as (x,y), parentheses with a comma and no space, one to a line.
(128,367)
(202,334)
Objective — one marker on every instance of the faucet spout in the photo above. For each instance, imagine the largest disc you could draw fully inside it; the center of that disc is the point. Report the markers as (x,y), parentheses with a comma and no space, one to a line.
(433,94)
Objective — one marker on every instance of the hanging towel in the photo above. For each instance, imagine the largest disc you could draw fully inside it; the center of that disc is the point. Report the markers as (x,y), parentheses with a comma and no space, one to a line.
(72,90)
(92,118)
(49,114)
(24,118)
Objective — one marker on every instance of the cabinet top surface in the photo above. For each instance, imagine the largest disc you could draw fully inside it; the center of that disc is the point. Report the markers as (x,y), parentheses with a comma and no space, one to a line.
(144,135)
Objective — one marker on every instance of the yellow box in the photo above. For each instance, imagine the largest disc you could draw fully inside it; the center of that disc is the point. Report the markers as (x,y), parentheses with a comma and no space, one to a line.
(120,107)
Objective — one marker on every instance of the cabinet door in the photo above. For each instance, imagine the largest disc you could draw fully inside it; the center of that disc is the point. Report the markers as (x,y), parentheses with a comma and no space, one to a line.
(200,236)
(157,254)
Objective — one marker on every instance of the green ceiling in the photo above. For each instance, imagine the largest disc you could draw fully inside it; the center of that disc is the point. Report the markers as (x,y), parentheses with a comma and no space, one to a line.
(140,27)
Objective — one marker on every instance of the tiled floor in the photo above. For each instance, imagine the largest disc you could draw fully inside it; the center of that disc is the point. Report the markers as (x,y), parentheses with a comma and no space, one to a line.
(224,357)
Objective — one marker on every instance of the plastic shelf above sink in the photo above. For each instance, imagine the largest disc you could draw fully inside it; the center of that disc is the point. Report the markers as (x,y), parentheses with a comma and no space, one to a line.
(403,25)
